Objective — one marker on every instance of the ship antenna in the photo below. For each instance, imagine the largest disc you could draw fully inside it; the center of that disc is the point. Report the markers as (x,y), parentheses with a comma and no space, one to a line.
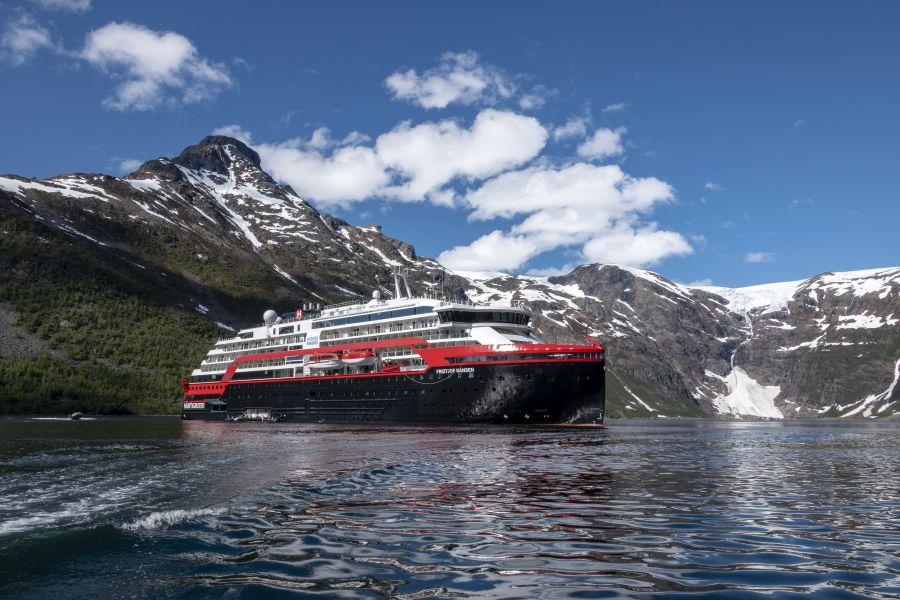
(396,274)
(403,274)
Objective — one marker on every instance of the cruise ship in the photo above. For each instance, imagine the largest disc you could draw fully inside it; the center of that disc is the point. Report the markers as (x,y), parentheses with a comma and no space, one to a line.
(400,359)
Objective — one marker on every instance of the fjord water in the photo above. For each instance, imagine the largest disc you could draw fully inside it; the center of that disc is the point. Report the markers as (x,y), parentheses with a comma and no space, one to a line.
(164,508)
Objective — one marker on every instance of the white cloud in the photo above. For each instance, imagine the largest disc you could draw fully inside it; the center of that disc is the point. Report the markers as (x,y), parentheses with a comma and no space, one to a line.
(614,108)
(409,163)
(345,175)
(636,247)
(713,186)
(798,203)
(576,127)
(706,281)
(429,155)
(496,251)
(597,208)
(235,131)
(759,257)
(157,67)
(127,165)
(603,144)
(459,77)
(22,38)
(552,271)
(321,139)
(64,5)
(797,126)
(536,97)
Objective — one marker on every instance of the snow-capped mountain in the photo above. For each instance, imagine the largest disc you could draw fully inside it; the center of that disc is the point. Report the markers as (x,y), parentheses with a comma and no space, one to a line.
(828,345)
(215,197)
(227,241)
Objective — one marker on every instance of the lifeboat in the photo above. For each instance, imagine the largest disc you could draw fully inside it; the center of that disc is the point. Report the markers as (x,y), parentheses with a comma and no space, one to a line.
(324,361)
(358,358)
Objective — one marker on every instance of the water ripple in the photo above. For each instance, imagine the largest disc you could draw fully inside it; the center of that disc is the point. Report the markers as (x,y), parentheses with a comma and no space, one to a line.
(673,509)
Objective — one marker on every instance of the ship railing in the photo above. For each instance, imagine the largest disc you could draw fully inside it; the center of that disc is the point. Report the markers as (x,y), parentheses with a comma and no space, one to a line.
(510,304)
(343,304)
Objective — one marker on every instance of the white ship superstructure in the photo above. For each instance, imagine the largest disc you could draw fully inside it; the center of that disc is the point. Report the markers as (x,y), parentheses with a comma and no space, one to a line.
(440,321)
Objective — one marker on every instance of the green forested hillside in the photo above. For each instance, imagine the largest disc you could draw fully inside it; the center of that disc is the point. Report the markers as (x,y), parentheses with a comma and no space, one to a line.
(118,337)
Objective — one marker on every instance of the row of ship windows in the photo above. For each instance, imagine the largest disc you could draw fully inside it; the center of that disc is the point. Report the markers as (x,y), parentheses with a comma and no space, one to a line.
(262,343)
(277,345)
(502,357)
(376,329)
(387,314)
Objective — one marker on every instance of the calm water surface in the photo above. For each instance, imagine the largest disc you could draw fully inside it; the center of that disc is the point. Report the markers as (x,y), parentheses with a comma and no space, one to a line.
(162,508)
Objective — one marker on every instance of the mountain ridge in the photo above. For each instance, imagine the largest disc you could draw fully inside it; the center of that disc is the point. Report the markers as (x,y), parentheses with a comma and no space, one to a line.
(218,239)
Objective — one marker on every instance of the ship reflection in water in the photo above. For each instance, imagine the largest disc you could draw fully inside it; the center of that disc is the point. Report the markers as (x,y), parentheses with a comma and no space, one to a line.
(160,508)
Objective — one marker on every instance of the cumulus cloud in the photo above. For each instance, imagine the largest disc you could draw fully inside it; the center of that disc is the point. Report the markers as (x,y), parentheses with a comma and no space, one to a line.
(409,163)
(576,127)
(596,212)
(64,5)
(597,208)
(636,247)
(602,144)
(713,186)
(459,77)
(759,257)
(494,251)
(22,38)
(429,155)
(344,175)
(156,67)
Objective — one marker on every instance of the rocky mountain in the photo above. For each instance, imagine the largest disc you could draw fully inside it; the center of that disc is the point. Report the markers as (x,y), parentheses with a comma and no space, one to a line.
(113,287)
(825,346)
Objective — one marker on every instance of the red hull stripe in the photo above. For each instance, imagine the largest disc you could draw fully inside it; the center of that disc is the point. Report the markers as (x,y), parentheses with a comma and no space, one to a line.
(221,387)
(433,356)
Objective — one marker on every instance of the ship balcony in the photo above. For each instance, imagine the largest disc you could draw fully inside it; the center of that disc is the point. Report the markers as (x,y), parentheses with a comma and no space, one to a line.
(428,333)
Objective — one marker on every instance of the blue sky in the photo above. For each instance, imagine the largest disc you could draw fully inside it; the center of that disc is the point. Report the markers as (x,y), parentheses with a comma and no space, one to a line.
(738,144)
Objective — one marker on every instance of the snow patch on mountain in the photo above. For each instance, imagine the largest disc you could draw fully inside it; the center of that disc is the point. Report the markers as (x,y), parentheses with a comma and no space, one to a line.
(859,283)
(770,297)
(868,404)
(865,321)
(746,397)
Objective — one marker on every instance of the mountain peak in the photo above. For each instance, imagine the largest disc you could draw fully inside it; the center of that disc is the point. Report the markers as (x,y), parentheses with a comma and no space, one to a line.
(216,153)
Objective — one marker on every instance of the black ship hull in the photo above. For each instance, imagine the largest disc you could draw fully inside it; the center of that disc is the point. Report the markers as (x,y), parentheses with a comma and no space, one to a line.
(549,393)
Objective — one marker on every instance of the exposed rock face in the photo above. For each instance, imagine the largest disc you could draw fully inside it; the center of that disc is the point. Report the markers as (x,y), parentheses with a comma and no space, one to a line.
(828,346)
(830,343)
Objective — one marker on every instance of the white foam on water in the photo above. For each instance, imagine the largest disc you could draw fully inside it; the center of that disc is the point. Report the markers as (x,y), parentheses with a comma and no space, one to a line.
(167,518)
